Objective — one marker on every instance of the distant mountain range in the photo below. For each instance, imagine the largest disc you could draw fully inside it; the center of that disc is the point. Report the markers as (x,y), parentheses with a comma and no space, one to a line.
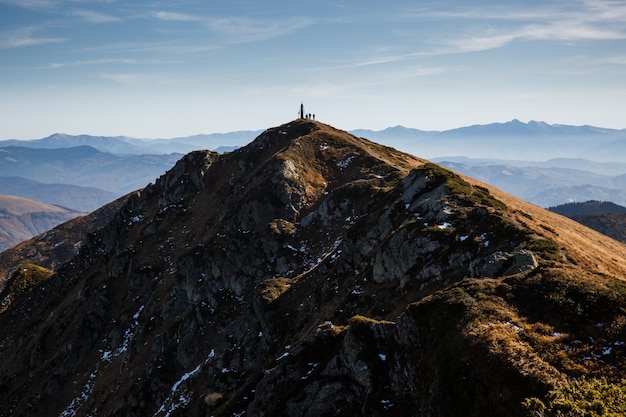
(124,145)
(514,140)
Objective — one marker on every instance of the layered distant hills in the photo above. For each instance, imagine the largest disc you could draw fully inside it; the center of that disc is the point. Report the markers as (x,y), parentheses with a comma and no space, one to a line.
(314,273)
(514,140)
(124,145)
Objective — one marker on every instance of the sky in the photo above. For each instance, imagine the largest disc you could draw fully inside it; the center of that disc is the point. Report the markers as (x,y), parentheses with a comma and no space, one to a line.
(163,69)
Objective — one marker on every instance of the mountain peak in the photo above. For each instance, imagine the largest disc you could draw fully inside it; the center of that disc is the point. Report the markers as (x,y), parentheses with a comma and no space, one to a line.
(314,273)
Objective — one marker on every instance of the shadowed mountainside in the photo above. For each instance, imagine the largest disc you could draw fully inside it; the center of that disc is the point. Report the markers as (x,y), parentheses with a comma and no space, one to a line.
(605,217)
(313,273)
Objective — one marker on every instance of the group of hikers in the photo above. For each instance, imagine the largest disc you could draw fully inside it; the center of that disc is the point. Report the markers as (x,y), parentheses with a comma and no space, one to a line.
(308,116)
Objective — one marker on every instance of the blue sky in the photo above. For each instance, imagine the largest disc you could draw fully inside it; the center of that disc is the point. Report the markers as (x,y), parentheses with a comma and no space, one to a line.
(176,68)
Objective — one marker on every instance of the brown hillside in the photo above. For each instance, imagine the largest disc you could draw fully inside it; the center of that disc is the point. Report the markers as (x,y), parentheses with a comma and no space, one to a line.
(313,273)
(21,219)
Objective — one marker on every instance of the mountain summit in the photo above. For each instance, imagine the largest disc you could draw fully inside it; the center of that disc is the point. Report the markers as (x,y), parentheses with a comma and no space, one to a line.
(314,273)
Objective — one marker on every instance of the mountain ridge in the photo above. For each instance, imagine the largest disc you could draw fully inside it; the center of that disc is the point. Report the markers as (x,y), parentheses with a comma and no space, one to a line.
(315,273)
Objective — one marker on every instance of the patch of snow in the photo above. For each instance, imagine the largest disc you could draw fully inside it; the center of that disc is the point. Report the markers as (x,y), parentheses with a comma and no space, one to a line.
(463,238)
(284,355)
(345,162)
(313,365)
(78,401)
(136,315)
(357,290)
(136,219)
(185,377)
(386,404)
(172,402)
(445,225)
(382,357)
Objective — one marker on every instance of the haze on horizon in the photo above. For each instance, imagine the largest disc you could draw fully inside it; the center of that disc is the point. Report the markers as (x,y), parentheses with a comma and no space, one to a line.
(168,69)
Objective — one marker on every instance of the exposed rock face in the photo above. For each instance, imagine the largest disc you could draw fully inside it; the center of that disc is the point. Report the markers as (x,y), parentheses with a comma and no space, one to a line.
(309,273)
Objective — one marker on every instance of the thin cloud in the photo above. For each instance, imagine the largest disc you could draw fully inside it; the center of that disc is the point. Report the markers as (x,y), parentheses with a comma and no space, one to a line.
(95,17)
(242,29)
(25,37)
(592,21)
(91,62)
(619,60)
(134,80)
(175,17)
(139,79)
(31,4)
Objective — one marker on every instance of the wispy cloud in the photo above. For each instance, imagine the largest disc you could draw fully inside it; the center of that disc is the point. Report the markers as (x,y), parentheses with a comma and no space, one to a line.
(620,60)
(128,79)
(31,4)
(91,62)
(243,29)
(94,17)
(139,79)
(26,36)
(175,17)
(494,27)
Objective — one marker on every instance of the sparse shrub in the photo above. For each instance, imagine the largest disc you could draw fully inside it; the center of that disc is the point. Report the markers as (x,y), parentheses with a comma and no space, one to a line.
(522,213)
(213,398)
(272,288)
(581,398)
(282,227)
(548,228)
(547,249)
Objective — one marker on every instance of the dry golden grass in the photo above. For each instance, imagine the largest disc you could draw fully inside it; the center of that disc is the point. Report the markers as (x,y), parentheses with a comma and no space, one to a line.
(582,246)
